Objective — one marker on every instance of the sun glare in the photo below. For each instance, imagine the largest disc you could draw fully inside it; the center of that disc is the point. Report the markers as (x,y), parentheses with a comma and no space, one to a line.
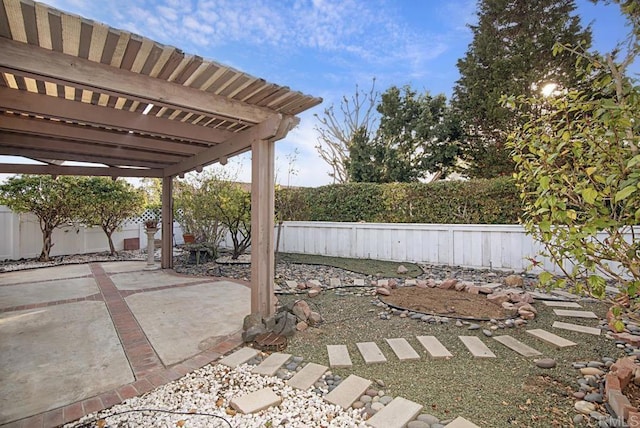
(548,89)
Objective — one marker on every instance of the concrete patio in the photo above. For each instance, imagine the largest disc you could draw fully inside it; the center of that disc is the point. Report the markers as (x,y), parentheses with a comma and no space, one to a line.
(79,338)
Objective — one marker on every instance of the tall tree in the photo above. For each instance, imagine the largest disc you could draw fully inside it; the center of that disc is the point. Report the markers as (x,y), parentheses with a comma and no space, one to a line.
(337,130)
(511,54)
(417,137)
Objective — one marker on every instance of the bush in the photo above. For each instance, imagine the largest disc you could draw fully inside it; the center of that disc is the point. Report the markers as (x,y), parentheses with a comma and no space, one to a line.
(494,201)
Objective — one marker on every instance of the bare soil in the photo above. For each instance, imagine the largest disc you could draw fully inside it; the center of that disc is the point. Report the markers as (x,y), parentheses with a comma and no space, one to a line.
(448,303)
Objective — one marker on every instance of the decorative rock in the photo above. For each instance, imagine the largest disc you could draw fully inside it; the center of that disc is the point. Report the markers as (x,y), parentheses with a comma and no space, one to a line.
(578,419)
(579,395)
(251,334)
(418,424)
(427,418)
(385,399)
(487,333)
(508,306)
(546,363)
(357,405)
(302,326)
(526,307)
(314,319)
(301,309)
(498,298)
(402,270)
(448,283)
(313,292)
(383,291)
(513,281)
(591,371)
(377,406)
(474,327)
(366,399)
(584,407)
(380,383)
(251,320)
(594,397)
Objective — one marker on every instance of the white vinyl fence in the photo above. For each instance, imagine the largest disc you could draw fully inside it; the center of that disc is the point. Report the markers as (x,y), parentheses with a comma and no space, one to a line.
(479,246)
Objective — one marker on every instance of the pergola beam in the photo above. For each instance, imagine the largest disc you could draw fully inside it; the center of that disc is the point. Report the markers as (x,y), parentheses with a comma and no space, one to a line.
(237,144)
(78,112)
(42,64)
(13,168)
(67,131)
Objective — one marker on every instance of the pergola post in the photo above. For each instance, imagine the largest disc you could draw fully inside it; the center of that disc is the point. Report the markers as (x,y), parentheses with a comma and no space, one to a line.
(167,223)
(262,223)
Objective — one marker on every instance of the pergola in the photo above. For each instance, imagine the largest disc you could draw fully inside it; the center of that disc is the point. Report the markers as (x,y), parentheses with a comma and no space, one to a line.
(72,89)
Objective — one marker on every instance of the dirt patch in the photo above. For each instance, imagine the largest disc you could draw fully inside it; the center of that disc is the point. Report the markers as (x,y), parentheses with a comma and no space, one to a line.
(632,392)
(449,303)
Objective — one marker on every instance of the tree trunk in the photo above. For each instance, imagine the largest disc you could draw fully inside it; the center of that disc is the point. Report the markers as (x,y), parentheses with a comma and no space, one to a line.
(46,245)
(112,247)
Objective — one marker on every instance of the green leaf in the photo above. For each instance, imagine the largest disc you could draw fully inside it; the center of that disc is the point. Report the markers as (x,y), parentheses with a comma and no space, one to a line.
(625,193)
(618,326)
(545,277)
(589,195)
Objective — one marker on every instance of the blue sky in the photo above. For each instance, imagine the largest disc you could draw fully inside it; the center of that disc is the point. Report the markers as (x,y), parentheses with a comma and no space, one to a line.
(321,47)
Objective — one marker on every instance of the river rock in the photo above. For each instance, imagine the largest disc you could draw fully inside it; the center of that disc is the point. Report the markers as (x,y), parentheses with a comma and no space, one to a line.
(546,363)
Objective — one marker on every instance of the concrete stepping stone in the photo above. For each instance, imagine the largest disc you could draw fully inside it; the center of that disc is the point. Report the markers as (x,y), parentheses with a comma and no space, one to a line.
(371,353)
(544,296)
(552,339)
(434,347)
(396,414)
(292,284)
(335,282)
(349,390)
(339,356)
(383,282)
(576,328)
(256,401)
(271,364)
(517,346)
(411,282)
(564,294)
(574,314)
(241,356)
(358,282)
(477,348)
(402,349)
(461,422)
(560,304)
(307,376)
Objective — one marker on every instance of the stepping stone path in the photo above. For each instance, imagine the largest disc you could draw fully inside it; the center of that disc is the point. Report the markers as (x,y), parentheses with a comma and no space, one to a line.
(271,364)
(371,353)
(239,357)
(396,414)
(256,401)
(402,349)
(358,282)
(477,347)
(348,391)
(575,314)
(576,328)
(306,377)
(335,282)
(434,347)
(560,304)
(553,339)
(517,346)
(339,356)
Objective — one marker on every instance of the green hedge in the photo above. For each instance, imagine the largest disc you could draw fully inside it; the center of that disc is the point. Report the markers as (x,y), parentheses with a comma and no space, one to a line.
(494,201)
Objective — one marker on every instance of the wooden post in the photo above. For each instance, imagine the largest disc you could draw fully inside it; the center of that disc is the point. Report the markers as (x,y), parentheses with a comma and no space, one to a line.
(262,223)
(167,223)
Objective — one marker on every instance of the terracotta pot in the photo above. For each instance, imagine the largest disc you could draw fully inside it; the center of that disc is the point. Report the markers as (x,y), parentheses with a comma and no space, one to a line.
(188,238)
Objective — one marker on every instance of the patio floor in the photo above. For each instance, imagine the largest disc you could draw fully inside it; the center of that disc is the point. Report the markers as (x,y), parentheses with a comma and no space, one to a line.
(79,338)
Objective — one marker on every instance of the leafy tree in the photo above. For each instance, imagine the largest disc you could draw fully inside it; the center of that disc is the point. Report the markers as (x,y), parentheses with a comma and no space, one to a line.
(233,208)
(417,135)
(50,199)
(107,203)
(511,54)
(578,158)
(195,207)
(336,131)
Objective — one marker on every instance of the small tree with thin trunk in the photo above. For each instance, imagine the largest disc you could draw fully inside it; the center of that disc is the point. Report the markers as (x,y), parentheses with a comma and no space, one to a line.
(107,203)
(51,200)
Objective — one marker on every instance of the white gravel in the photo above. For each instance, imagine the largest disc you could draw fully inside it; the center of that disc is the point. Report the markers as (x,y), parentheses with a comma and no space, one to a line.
(210,390)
